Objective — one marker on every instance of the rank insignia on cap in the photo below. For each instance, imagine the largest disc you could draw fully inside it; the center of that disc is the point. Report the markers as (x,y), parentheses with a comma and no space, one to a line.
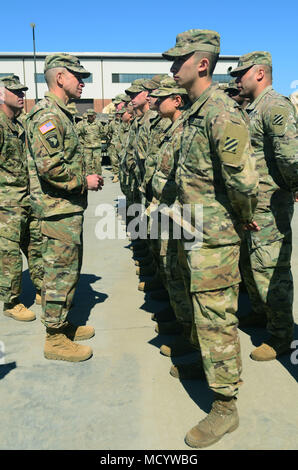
(230,145)
(46,127)
(278,120)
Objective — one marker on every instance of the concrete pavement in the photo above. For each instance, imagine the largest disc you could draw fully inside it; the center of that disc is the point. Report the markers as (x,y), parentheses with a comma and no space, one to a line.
(124,397)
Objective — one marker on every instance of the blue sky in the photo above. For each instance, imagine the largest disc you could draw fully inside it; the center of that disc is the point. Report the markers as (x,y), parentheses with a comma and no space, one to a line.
(152,26)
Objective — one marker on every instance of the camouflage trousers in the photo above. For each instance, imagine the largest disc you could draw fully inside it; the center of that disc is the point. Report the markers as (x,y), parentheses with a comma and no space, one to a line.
(113,159)
(62,259)
(93,160)
(179,296)
(266,271)
(20,231)
(214,329)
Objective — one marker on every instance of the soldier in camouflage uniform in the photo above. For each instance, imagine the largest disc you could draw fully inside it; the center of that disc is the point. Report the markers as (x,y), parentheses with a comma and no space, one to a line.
(58,190)
(19,230)
(232,90)
(266,253)
(79,127)
(170,98)
(91,134)
(119,102)
(135,158)
(215,172)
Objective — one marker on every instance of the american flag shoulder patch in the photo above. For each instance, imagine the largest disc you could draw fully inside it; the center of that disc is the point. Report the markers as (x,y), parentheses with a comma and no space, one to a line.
(230,145)
(278,120)
(46,127)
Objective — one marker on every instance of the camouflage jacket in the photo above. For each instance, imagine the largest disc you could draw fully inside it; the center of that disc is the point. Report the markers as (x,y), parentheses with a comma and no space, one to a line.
(91,134)
(215,169)
(159,129)
(79,128)
(136,148)
(57,174)
(14,178)
(273,128)
(150,136)
(122,138)
(163,181)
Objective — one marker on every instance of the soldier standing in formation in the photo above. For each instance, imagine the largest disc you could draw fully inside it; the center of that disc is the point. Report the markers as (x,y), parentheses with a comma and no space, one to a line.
(266,253)
(214,170)
(91,134)
(19,229)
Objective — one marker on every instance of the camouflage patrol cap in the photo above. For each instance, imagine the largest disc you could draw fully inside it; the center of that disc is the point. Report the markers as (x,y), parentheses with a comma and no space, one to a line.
(194,40)
(247,61)
(70,62)
(12,83)
(90,112)
(72,108)
(137,86)
(120,98)
(168,87)
(154,82)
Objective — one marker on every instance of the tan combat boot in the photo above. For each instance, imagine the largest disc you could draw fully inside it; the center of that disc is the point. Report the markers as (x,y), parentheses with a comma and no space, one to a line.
(59,347)
(144,261)
(38,298)
(18,312)
(270,350)
(148,270)
(115,179)
(223,418)
(168,328)
(180,346)
(78,333)
(192,371)
(153,284)
(167,314)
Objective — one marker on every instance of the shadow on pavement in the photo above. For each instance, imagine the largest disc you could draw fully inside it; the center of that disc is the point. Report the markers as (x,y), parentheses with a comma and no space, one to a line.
(6,368)
(259,335)
(85,299)
(197,390)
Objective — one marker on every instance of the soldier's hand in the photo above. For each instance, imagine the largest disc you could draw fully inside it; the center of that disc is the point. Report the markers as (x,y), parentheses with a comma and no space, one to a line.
(252,226)
(101,182)
(93,182)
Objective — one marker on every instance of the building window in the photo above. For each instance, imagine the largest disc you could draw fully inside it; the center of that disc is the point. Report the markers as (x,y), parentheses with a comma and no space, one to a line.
(4,74)
(40,78)
(130,77)
(221,77)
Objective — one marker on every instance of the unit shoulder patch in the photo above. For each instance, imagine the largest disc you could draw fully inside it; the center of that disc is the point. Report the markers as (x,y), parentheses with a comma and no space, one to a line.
(278,120)
(233,143)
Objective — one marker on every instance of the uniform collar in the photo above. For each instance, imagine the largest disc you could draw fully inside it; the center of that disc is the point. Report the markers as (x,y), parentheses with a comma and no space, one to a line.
(198,103)
(58,101)
(252,105)
(14,125)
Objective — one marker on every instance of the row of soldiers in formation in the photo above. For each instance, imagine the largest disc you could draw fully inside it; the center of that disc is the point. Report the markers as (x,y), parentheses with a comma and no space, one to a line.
(231,148)
(181,141)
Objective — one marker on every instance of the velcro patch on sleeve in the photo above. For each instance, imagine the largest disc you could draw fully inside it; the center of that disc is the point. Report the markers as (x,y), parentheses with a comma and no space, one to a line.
(233,143)
(46,127)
